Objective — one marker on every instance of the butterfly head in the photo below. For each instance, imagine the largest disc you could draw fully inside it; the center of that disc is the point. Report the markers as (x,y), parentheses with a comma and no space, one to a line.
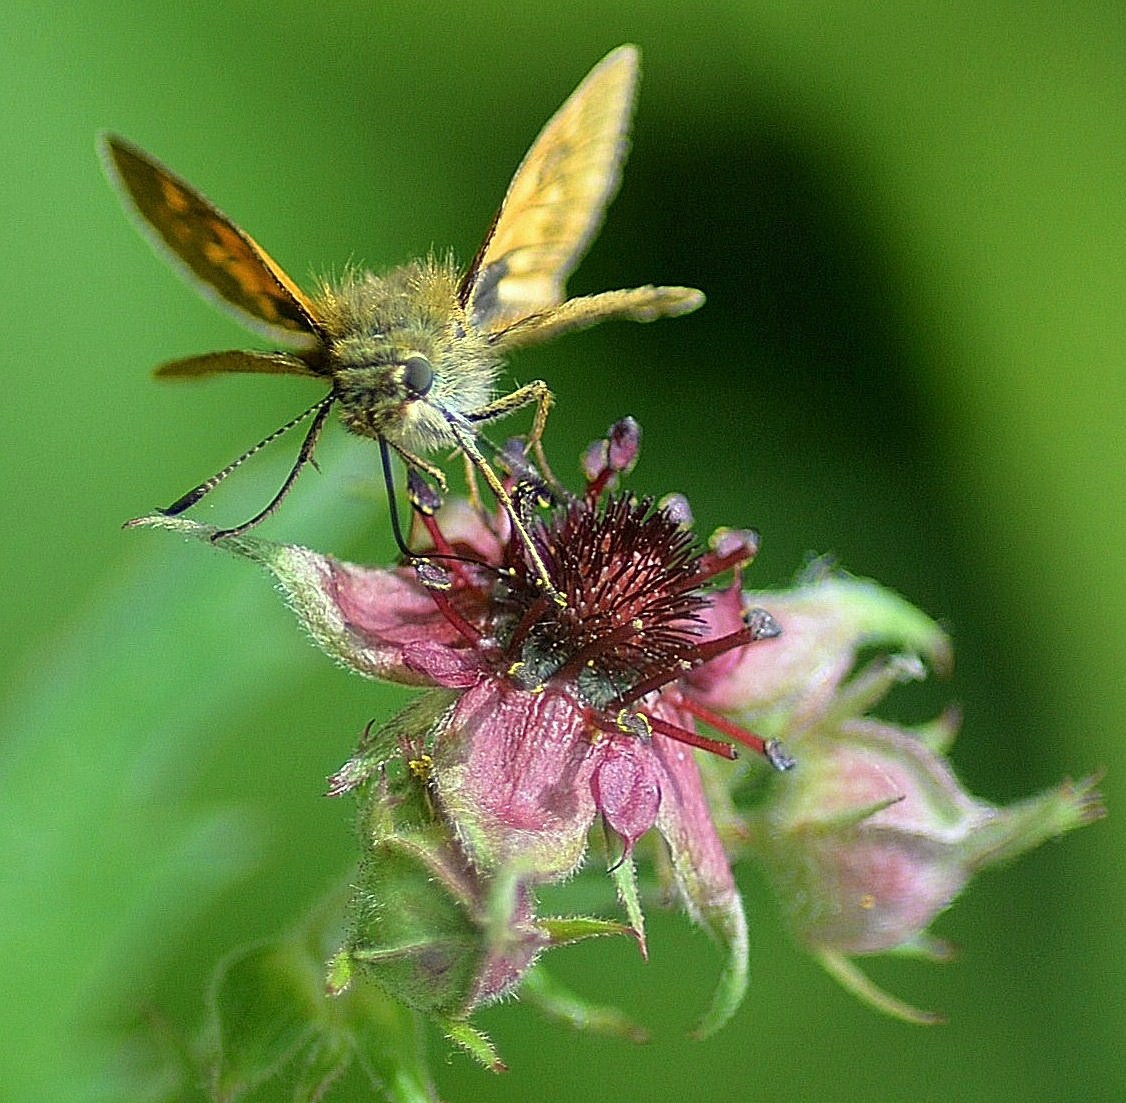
(378,388)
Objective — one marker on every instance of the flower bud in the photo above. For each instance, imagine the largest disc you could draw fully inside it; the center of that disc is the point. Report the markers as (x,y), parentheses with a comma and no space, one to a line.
(430,927)
(873,837)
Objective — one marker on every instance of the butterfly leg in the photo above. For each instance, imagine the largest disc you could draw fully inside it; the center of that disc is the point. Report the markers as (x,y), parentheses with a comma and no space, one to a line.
(430,470)
(472,488)
(535,392)
(468,444)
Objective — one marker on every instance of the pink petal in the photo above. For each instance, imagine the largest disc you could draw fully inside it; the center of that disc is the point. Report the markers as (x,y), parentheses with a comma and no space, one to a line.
(685,822)
(371,618)
(443,666)
(627,789)
(512,769)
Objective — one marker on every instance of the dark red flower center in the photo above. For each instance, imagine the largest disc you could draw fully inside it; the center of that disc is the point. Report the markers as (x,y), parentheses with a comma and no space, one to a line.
(631,580)
(627,619)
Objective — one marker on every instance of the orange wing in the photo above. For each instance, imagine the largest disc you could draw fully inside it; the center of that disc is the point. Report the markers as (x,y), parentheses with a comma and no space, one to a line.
(555,203)
(242,361)
(225,261)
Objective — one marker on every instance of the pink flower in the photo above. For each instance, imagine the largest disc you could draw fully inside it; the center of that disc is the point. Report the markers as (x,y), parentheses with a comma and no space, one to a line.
(548,708)
(548,715)
(825,621)
(875,838)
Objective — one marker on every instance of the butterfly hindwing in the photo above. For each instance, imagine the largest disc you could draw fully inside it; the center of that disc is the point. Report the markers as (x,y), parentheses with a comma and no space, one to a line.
(234,360)
(556,200)
(221,257)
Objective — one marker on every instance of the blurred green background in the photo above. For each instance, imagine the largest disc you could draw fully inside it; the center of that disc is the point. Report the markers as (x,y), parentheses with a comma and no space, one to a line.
(910,222)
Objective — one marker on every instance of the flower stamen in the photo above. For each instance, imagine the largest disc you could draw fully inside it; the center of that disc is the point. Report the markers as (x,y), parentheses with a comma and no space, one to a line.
(693,739)
(770,749)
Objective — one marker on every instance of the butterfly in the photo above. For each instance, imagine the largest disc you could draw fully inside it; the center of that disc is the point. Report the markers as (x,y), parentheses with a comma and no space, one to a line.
(412,357)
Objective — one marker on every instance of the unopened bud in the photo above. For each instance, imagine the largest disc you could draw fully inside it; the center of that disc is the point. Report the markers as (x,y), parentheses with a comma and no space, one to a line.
(872,837)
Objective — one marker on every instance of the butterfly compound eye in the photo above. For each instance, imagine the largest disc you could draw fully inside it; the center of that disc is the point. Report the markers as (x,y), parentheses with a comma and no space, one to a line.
(418,376)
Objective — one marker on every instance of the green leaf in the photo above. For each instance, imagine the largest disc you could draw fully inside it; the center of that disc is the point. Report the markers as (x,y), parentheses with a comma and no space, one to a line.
(267,1008)
(279,1034)
(388,1043)
(323,1062)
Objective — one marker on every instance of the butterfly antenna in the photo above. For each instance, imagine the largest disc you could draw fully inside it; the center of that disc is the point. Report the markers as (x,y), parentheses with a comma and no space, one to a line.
(304,457)
(204,488)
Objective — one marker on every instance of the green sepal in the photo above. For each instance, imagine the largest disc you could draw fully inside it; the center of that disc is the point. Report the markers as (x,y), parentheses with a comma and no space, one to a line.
(728,926)
(340,973)
(412,726)
(1028,823)
(925,947)
(563,930)
(475,1042)
(624,874)
(412,927)
(845,971)
(842,819)
(424,924)
(880,617)
(938,735)
(869,685)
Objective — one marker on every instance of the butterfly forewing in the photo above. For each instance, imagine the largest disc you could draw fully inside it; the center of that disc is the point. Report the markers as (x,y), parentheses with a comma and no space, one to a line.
(224,259)
(556,200)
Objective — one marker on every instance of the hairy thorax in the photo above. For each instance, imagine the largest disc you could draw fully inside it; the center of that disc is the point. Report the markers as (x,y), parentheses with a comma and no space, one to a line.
(402,360)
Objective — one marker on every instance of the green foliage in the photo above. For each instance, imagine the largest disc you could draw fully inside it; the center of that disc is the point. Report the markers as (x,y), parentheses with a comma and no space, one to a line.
(275,1032)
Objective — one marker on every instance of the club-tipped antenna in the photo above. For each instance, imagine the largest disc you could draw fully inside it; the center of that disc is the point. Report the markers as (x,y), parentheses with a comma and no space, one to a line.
(320,409)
